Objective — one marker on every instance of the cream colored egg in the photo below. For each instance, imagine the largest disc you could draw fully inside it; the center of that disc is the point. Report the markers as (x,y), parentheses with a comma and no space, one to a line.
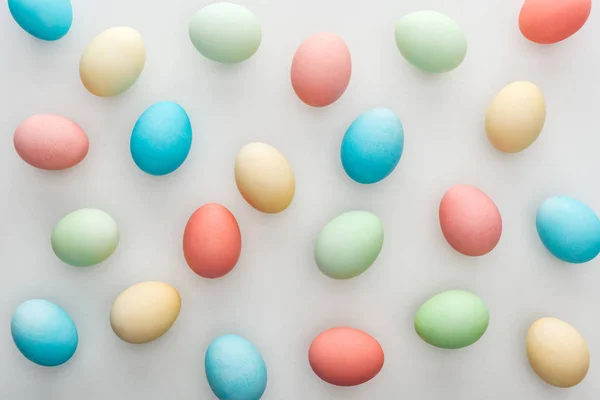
(145,311)
(264,178)
(515,117)
(557,352)
(113,61)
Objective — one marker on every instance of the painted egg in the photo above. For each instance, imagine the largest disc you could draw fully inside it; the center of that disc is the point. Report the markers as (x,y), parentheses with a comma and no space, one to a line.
(515,117)
(452,319)
(44,333)
(550,21)
(569,229)
(85,237)
(50,142)
(44,19)
(470,221)
(431,41)
(144,312)
(225,32)
(235,369)
(212,241)
(557,352)
(372,146)
(161,138)
(349,244)
(113,61)
(321,69)
(345,356)
(264,178)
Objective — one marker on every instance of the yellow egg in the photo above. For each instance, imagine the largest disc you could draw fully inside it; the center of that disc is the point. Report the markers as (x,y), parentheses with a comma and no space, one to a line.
(145,311)
(264,178)
(515,117)
(557,352)
(113,61)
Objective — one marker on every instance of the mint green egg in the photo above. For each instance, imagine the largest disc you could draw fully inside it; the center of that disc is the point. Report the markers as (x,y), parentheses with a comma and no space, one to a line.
(431,41)
(349,244)
(452,319)
(225,32)
(85,237)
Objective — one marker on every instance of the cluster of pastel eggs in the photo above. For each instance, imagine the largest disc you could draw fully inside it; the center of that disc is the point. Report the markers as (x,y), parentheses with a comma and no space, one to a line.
(347,246)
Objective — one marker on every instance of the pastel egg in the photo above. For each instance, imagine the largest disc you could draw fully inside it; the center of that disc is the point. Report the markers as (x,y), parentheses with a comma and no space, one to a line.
(515,117)
(550,21)
(372,146)
(569,229)
(161,138)
(225,32)
(557,352)
(85,237)
(44,19)
(264,178)
(349,244)
(144,312)
(321,69)
(470,221)
(235,370)
(113,61)
(345,356)
(50,142)
(452,319)
(431,41)
(212,241)
(44,333)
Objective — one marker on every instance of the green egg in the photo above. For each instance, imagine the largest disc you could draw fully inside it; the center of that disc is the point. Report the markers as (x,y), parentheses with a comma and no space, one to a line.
(85,237)
(452,319)
(431,41)
(349,244)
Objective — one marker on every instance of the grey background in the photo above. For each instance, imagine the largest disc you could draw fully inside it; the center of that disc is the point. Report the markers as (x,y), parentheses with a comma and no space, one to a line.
(276,297)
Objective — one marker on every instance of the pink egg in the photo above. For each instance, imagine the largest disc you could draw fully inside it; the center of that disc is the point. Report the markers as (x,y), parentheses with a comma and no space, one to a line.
(470,221)
(50,142)
(321,69)
(550,21)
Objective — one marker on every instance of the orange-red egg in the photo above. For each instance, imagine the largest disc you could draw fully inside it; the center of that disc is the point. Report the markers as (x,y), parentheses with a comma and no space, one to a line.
(345,356)
(212,241)
(550,21)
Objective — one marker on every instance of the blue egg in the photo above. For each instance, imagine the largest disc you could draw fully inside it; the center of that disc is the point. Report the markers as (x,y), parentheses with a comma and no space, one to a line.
(44,19)
(161,139)
(44,333)
(372,146)
(569,229)
(235,369)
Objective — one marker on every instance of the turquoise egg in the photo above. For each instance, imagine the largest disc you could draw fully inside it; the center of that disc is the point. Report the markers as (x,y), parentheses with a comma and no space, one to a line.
(235,369)
(372,146)
(44,19)
(569,229)
(44,333)
(161,139)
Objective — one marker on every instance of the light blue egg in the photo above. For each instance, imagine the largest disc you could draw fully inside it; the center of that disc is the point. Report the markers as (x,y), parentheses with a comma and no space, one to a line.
(235,369)
(44,333)
(569,229)
(44,19)
(372,146)
(161,139)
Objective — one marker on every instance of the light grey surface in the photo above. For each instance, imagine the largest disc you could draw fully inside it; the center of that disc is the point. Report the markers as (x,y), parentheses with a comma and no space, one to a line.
(276,297)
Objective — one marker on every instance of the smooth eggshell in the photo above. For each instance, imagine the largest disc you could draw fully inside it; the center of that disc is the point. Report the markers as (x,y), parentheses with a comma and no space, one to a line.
(50,142)
(345,356)
(515,117)
(264,177)
(550,21)
(145,311)
(212,241)
(44,19)
(557,352)
(470,221)
(112,61)
(321,69)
